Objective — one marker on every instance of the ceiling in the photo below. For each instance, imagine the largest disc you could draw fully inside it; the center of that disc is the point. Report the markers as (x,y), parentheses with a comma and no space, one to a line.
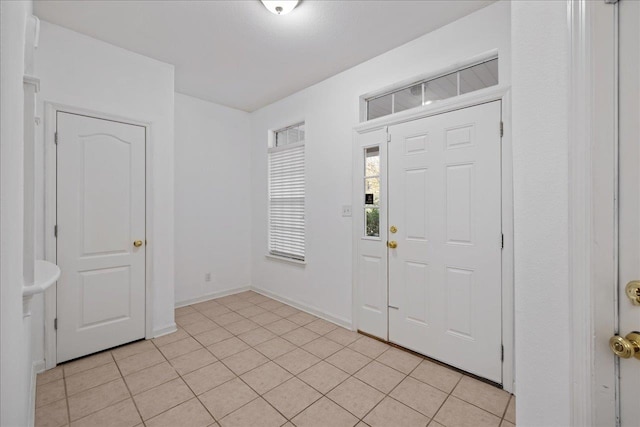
(238,54)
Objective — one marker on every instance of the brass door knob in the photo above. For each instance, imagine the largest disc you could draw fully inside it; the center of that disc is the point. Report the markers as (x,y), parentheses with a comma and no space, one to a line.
(633,291)
(137,243)
(626,347)
(392,244)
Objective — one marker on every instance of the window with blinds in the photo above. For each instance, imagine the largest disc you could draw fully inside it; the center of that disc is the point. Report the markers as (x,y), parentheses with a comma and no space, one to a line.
(287,193)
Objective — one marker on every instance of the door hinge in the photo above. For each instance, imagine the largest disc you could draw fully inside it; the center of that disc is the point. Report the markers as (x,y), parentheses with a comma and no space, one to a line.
(55,138)
(55,230)
(502,353)
(501,129)
(388,137)
(502,242)
(610,1)
(55,323)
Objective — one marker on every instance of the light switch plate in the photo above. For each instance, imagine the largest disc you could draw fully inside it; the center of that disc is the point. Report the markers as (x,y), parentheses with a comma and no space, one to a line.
(346,210)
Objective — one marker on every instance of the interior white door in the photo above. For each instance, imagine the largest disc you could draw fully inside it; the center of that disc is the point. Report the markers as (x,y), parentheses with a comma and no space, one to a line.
(100,214)
(629,191)
(445,273)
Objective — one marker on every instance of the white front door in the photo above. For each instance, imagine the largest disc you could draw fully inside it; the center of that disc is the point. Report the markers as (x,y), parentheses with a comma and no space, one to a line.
(629,225)
(444,202)
(100,214)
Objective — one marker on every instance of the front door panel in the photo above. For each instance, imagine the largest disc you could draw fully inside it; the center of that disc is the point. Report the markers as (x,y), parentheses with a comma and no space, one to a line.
(445,273)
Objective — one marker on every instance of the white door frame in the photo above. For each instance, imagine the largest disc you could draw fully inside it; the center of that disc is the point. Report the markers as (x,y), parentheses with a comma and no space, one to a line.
(50,176)
(593,222)
(496,93)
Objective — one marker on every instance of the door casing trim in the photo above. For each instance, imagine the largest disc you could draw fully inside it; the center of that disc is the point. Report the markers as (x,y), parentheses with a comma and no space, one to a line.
(50,201)
(593,221)
(496,93)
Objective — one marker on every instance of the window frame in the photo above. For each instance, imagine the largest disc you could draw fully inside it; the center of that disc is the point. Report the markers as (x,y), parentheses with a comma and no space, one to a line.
(421,80)
(273,148)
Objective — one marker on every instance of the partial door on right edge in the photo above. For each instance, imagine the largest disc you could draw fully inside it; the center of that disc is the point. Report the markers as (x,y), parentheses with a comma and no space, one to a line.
(629,209)
(444,233)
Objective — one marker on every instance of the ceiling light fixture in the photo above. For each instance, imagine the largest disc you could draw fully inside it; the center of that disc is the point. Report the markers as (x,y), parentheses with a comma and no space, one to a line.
(280,7)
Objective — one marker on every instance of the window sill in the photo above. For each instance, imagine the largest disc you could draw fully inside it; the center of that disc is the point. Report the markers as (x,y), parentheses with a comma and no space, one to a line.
(285,259)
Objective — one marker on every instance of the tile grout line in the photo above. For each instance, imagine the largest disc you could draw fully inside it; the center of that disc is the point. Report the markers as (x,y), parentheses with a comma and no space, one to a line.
(98,410)
(66,396)
(446,398)
(127,386)
(390,391)
(195,396)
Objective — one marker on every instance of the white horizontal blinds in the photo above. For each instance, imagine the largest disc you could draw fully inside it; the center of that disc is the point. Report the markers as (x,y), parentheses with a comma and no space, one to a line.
(286,199)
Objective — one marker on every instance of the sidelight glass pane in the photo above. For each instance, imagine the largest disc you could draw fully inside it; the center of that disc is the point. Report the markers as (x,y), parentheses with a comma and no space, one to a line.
(372,191)
(372,161)
(372,222)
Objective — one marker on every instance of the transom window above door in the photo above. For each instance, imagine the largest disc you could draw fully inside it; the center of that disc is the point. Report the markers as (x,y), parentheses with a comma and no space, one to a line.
(452,83)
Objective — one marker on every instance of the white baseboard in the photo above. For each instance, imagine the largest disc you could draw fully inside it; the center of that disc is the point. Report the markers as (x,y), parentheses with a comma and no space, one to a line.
(340,321)
(164,331)
(37,366)
(307,308)
(213,295)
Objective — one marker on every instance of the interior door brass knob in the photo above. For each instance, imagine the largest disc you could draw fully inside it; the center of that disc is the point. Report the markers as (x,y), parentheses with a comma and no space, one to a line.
(626,347)
(137,243)
(633,291)
(392,244)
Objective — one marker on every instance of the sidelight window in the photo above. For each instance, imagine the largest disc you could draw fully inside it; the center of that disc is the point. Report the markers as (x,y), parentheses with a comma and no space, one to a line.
(372,191)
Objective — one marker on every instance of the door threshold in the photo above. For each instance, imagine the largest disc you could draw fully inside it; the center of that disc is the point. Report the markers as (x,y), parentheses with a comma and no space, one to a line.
(437,362)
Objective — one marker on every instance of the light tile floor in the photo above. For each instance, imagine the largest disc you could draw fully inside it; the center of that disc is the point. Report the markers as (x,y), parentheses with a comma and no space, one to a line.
(247,360)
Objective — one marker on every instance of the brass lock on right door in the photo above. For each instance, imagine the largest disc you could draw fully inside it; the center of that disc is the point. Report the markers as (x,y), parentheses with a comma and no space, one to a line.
(632,290)
(626,347)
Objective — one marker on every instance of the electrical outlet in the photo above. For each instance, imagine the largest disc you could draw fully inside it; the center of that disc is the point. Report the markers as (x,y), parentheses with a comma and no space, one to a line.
(207,277)
(346,210)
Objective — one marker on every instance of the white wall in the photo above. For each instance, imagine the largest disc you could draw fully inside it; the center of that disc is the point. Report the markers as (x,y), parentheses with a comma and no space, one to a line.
(80,71)
(331,110)
(15,362)
(541,59)
(212,214)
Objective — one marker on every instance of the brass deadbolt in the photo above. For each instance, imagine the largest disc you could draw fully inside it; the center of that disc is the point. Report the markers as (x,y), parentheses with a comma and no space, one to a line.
(393,229)
(633,291)
(626,347)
